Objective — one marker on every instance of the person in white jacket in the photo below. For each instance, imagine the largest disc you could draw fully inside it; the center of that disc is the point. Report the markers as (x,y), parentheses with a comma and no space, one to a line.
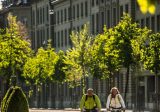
(115,101)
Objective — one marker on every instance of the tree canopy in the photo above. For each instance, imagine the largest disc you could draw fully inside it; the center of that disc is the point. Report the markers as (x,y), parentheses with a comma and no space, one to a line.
(15,48)
(41,67)
(78,56)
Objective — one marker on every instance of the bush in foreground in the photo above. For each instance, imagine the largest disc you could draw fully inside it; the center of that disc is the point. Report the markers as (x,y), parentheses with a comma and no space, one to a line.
(14,101)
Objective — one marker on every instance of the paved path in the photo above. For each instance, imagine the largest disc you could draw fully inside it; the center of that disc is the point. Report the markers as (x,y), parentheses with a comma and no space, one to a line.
(65,110)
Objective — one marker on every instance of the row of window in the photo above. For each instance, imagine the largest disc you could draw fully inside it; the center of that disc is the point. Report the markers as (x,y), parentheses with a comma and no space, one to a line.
(61,38)
(152,22)
(96,2)
(99,19)
(39,37)
(78,10)
(40,15)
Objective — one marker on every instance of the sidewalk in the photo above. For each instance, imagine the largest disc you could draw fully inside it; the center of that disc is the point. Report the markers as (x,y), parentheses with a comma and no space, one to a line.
(64,110)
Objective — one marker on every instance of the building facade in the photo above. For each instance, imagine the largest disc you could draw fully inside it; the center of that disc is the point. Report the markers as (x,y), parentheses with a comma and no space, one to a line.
(71,15)
(19,8)
(41,24)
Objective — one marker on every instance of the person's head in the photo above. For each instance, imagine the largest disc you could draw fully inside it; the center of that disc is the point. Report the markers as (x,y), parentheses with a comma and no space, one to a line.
(90,92)
(114,91)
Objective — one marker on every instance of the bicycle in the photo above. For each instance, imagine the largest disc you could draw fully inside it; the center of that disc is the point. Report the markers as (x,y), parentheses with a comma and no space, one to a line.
(115,110)
(90,110)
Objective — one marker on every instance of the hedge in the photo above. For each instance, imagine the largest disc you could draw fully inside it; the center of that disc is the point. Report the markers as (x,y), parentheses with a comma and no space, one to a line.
(14,101)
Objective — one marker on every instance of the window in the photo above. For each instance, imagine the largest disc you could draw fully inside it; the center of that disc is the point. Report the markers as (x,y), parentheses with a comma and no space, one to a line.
(69,40)
(58,39)
(43,15)
(43,36)
(114,16)
(62,38)
(78,29)
(65,15)
(73,29)
(158,23)
(33,17)
(55,39)
(102,1)
(37,38)
(86,8)
(93,24)
(121,11)
(102,20)
(142,23)
(77,10)
(69,14)
(92,3)
(148,22)
(58,17)
(82,27)
(126,8)
(73,12)
(97,23)
(37,16)
(153,23)
(47,33)
(137,6)
(66,37)
(108,18)
(97,2)
(33,39)
(47,12)
(61,16)
(55,18)
(81,9)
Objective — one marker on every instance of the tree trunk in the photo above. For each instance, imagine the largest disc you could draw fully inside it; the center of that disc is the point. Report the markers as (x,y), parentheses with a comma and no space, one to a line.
(84,82)
(126,85)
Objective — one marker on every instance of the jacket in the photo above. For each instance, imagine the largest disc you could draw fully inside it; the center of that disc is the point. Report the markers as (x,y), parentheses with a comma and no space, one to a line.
(90,103)
(116,102)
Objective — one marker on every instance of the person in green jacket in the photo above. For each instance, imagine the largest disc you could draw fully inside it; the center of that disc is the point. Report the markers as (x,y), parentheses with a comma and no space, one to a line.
(90,102)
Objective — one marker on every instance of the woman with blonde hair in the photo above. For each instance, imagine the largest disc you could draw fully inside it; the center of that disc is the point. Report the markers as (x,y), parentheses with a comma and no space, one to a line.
(115,102)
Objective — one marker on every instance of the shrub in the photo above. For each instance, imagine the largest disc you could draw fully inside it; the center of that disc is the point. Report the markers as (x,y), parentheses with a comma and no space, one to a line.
(15,101)
(3,106)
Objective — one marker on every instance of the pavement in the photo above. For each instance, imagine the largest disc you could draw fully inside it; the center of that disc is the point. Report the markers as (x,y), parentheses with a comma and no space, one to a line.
(64,110)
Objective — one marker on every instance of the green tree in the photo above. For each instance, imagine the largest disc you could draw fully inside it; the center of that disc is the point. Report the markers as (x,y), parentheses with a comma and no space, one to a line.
(41,67)
(15,49)
(77,57)
(60,66)
(104,57)
(150,55)
(125,34)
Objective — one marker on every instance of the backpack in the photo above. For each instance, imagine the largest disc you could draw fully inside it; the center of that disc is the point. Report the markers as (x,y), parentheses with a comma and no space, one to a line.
(92,97)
